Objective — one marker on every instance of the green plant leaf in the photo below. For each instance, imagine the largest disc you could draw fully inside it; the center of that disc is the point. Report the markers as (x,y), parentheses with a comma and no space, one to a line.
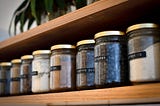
(22,22)
(30,22)
(49,8)
(16,14)
(33,11)
(61,4)
(81,3)
(49,5)
(17,19)
(24,3)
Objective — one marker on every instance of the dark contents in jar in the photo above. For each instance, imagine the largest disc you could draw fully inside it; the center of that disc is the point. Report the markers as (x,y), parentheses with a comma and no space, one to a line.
(111,65)
(85,66)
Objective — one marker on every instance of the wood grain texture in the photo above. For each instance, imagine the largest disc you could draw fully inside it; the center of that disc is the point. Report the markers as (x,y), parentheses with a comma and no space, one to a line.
(147,93)
(80,24)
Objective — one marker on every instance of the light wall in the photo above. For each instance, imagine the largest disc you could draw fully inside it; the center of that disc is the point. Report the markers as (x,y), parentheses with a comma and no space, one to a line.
(7,7)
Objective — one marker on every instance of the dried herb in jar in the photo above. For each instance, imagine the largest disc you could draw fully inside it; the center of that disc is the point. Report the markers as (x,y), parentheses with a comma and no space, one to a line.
(5,78)
(62,67)
(25,74)
(15,77)
(85,64)
(111,63)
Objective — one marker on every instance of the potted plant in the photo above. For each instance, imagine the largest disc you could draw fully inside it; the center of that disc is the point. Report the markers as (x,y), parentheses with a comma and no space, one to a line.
(37,10)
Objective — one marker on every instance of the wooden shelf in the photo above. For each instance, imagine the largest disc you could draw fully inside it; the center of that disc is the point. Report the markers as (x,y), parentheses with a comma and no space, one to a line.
(81,24)
(147,93)
(78,25)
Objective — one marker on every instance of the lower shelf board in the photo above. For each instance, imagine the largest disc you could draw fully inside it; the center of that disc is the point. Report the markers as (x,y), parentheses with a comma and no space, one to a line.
(146,93)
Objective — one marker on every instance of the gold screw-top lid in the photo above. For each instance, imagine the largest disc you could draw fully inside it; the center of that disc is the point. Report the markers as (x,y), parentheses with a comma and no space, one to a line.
(63,46)
(88,41)
(142,25)
(25,57)
(16,61)
(5,64)
(37,52)
(108,33)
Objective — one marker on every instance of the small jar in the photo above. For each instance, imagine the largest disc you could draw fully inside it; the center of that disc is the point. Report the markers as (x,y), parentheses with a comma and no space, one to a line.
(25,74)
(62,67)
(111,65)
(40,71)
(5,78)
(15,77)
(144,52)
(85,64)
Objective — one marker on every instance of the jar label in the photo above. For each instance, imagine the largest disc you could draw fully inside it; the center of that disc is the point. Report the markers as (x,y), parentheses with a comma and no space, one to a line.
(15,79)
(100,58)
(43,73)
(55,68)
(137,55)
(24,76)
(85,70)
(2,80)
(34,73)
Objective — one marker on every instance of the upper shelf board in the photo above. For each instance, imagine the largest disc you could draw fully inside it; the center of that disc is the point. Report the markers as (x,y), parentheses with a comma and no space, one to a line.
(80,24)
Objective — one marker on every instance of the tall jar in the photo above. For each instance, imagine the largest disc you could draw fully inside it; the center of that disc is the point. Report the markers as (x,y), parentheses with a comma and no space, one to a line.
(25,74)
(62,67)
(5,78)
(40,71)
(144,52)
(85,64)
(15,77)
(111,65)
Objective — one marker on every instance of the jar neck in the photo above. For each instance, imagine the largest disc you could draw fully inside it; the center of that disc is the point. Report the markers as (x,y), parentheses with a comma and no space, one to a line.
(27,61)
(86,47)
(5,67)
(144,32)
(112,38)
(16,64)
(63,51)
(42,56)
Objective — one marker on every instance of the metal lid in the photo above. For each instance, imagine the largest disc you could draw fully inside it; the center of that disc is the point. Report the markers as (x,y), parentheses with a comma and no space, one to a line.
(88,41)
(63,46)
(108,33)
(37,52)
(142,25)
(25,57)
(16,61)
(5,64)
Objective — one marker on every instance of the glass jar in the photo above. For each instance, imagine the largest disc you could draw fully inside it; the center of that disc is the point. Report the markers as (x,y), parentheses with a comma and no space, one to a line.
(15,77)
(85,64)
(144,52)
(62,70)
(5,78)
(25,74)
(40,71)
(111,65)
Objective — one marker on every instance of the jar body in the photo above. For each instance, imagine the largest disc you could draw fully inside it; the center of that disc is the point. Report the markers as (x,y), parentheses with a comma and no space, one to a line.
(5,80)
(85,66)
(144,55)
(25,79)
(62,70)
(40,73)
(111,63)
(15,79)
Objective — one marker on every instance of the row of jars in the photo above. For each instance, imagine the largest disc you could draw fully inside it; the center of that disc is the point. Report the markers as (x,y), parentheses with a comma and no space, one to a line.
(102,62)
